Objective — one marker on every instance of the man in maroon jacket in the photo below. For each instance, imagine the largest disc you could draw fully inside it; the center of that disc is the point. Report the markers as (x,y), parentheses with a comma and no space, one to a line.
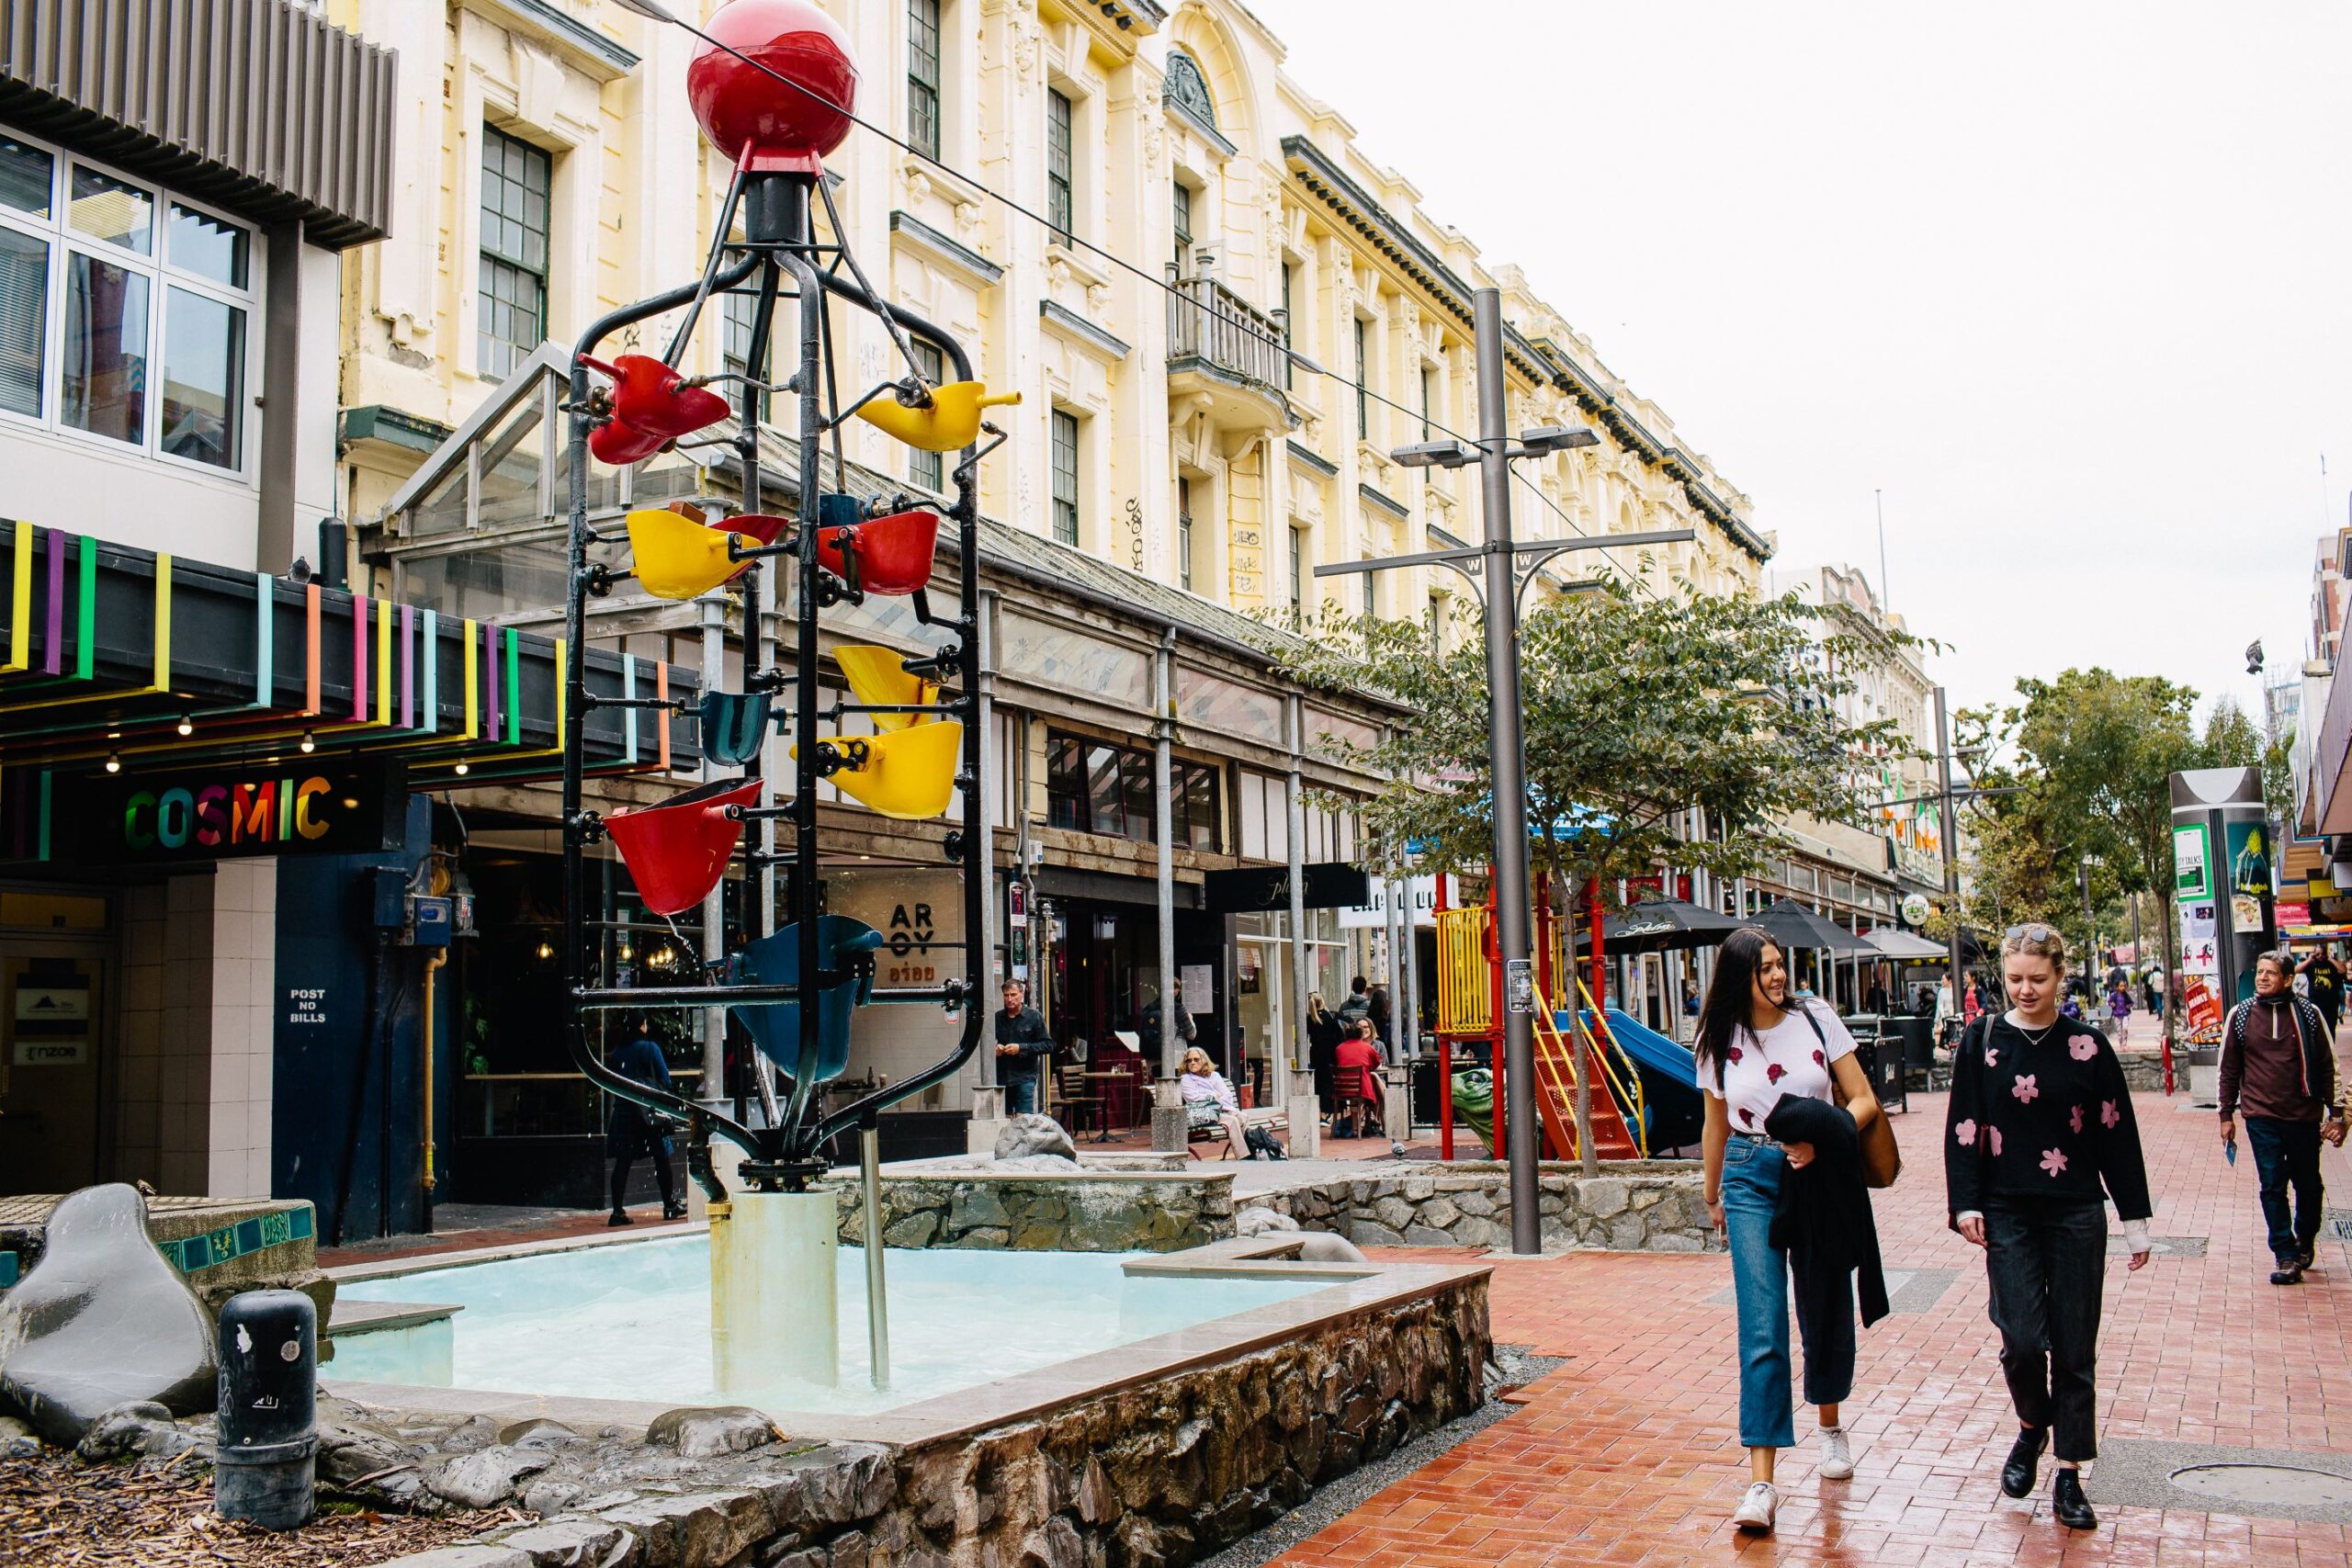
(2279,1063)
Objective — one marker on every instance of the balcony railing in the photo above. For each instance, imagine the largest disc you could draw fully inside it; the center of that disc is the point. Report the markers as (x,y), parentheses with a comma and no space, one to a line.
(1207,320)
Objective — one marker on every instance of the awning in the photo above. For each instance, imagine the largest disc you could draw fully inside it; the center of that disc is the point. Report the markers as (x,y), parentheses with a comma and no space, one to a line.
(154,662)
(1659,925)
(1897,943)
(1794,925)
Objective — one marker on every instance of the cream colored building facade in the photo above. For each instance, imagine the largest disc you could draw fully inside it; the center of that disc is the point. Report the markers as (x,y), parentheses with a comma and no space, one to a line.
(1187,449)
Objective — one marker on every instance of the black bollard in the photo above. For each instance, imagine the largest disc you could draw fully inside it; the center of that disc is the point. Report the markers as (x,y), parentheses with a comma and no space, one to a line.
(268,1436)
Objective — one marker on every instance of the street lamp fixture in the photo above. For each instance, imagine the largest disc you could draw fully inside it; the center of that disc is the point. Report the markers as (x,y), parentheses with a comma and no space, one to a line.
(1543,439)
(1436,455)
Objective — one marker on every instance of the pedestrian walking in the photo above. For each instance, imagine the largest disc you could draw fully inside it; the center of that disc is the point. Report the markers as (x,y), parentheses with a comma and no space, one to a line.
(2278,1065)
(1757,1049)
(633,1133)
(1021,1047)
(2326,987)
(1323,1031)
(2040,1117)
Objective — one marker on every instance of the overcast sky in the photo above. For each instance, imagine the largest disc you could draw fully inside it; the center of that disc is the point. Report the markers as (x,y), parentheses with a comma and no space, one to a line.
(2066,281)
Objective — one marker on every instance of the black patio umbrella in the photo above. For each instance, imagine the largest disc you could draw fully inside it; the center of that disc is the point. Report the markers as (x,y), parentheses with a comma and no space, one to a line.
(1794,925)
(1659,925)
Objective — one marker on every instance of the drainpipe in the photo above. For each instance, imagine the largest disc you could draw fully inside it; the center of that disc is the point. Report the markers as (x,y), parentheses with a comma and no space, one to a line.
(439,957)
(1164,724)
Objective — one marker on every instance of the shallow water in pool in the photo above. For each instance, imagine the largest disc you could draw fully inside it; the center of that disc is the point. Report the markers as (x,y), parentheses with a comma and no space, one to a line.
(632,1321)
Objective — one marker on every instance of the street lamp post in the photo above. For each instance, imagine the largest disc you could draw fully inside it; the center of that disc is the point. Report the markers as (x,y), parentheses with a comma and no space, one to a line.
(1498,569)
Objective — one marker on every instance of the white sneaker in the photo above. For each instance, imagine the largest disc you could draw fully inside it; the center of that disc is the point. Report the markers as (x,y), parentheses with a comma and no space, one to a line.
(1755,1511)
(1837,1455)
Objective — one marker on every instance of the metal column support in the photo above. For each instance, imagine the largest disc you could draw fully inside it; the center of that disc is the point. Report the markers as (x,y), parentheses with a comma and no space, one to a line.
(1952,842)
(1294,727)
(1163,722)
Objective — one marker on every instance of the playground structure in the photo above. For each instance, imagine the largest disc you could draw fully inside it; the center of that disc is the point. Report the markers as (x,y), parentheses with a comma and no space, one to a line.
(1642,1099)
(772,85)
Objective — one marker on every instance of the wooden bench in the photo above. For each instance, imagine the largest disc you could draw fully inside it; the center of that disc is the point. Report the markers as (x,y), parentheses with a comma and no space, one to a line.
(1273,1118)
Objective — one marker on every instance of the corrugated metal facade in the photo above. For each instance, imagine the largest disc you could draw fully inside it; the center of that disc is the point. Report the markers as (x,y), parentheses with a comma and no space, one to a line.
(260,105)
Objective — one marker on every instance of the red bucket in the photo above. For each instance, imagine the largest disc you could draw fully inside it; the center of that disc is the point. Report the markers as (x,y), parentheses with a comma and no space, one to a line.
(620,444)
(676,851)
(894,553)
(648,395)
(760,527)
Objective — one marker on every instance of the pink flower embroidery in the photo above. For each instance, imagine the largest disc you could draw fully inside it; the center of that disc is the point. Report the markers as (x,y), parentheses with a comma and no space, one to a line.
(1735,1052)
(1819,1060)
(1992,1057)
(2108,1115)
(1748,1116)
(1992,1140)
(2082,1047)
(1966,1132)
(2074,1118)
(2025,1088)
(2052,1161)
(1774,1072)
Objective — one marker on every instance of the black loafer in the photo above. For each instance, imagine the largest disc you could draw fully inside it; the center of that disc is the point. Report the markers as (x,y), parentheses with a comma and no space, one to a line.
(2067,1503)
(2025,1458)
(2309,1255)
(2287,1273)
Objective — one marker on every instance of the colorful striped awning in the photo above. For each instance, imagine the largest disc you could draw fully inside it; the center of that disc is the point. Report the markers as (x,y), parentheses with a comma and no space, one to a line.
(108,651)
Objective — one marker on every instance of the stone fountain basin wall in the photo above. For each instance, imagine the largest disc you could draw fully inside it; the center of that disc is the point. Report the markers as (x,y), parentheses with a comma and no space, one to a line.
(1159,1453)
(1633,1206)
(1084,1210)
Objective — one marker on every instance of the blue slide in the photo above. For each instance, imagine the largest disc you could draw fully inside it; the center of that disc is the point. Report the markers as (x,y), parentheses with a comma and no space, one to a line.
(1669,1082)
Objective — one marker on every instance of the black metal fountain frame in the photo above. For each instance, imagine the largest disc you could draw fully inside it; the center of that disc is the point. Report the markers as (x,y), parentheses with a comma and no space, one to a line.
(779,240)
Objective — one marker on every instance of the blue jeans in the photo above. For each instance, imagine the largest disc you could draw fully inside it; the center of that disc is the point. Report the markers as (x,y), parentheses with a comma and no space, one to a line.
(1021,1095)
(1759,1272)
(2285,1154)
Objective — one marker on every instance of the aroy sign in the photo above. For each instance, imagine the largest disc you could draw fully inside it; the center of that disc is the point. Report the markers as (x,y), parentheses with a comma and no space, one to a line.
(216,816)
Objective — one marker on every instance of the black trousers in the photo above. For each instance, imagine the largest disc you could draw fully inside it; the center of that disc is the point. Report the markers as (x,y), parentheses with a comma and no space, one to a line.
(2048,1269)
(2285,1154)
(626,1148)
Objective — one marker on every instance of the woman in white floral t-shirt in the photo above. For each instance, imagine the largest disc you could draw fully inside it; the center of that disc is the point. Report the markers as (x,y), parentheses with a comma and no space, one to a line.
(1755,1044)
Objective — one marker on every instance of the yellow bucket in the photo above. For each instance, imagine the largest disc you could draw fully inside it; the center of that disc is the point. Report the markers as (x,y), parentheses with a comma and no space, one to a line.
(879,675)
(952,421)
(909,774)
(677,558)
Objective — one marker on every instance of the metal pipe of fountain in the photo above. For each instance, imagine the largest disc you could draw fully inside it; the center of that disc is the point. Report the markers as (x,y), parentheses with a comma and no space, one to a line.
(877,1309)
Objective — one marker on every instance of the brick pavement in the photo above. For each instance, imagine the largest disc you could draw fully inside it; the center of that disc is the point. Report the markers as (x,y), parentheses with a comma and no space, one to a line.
(1628,1455)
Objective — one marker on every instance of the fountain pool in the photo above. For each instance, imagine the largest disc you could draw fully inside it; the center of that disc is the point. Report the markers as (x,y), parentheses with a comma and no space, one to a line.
(632,1321)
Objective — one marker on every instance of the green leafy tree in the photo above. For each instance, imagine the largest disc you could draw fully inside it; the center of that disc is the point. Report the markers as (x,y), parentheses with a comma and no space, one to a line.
(1636,709)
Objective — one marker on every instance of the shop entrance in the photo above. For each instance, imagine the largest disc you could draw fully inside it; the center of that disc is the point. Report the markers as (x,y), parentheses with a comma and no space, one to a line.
(1104,991)
(55,1008)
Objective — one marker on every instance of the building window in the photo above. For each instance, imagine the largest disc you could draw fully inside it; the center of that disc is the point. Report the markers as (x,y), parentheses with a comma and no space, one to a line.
(1182,199)
(1364,384)
(1064,477)
(929,470)
(1061,206)
(513,317)
(1428,396)
(1297,574)
(1185,534)
(1093,787)
(735,313)
(1290,321)
(147,342)
(922,77)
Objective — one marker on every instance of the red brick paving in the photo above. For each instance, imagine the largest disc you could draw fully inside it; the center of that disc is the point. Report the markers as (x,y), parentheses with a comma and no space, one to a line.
(1628,1455)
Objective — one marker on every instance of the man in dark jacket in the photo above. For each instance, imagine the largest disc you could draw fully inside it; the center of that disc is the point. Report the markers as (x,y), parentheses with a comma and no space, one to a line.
(1022,1047)
(2327,986)
(632,1131)
(2278,1062)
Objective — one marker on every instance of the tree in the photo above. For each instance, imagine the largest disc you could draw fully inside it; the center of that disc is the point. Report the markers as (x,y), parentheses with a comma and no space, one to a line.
(1635,709)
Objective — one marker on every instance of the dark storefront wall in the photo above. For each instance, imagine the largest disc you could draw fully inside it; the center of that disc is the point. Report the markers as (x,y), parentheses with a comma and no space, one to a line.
(1103,972)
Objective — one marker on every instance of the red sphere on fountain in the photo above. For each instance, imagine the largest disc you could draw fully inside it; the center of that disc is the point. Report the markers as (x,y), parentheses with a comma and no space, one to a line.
(748,113)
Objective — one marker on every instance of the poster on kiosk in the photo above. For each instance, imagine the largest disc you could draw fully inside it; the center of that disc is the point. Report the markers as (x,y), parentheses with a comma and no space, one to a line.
(2222,887)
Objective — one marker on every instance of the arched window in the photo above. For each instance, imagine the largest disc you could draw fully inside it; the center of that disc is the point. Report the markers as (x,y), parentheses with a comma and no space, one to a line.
(1188,89)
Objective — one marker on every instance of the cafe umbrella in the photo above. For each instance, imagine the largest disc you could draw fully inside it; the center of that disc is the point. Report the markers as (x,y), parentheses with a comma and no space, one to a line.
(1661,925)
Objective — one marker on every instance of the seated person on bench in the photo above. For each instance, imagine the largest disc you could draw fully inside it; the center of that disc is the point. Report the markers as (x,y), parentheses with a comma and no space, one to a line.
(1209,1100)
(1357,1078)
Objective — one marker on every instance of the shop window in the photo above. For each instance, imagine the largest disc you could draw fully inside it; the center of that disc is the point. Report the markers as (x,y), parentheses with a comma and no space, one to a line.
(1093,787)
(133,296)
(922,77)
(513,316)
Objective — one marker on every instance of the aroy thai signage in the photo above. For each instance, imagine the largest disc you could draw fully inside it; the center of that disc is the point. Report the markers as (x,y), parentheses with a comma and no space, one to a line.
(217,816)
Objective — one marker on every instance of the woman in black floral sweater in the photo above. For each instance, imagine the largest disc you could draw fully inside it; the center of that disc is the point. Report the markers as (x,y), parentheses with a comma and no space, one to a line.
(2041,1121)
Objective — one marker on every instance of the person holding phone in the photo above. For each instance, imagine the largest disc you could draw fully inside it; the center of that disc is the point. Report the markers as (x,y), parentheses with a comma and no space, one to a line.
(2041,1119)
(2278,1066)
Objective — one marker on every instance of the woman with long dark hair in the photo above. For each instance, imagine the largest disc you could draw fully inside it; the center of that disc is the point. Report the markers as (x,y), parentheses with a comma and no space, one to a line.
(1756,1045)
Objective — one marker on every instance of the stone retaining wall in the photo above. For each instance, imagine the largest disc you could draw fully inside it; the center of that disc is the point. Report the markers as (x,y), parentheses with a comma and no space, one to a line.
(1091,1213)
(1162,1474)
(1634,1206)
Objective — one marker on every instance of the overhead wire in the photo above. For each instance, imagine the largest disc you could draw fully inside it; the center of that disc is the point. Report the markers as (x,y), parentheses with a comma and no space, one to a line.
(1290,357)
